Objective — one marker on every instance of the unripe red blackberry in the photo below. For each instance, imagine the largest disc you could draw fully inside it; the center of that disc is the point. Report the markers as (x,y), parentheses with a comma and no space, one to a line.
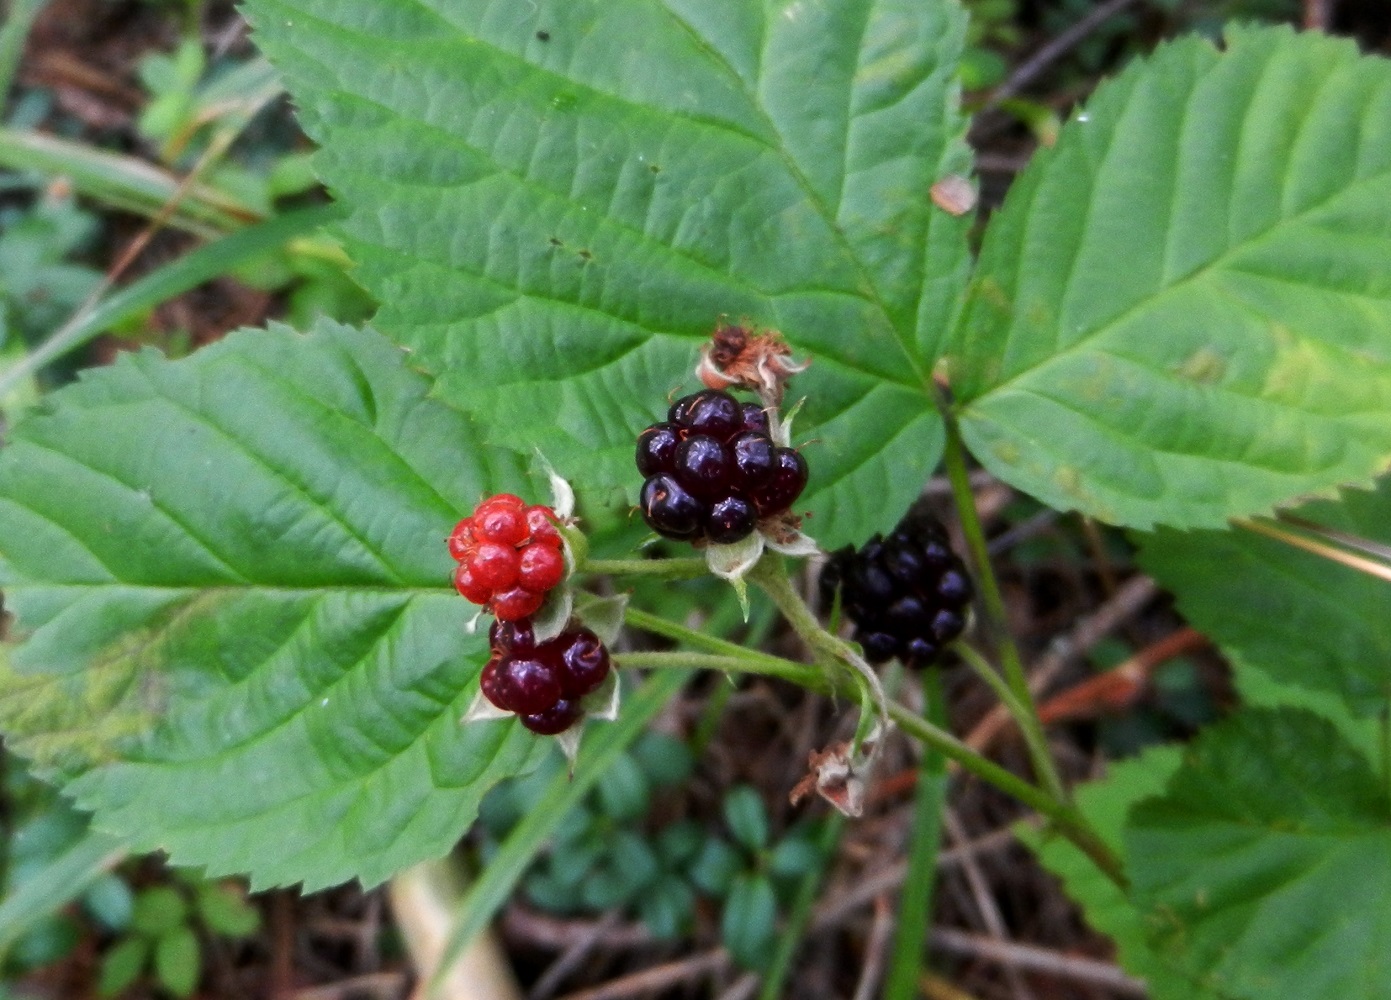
(509,556)
(907,594)
(543,682)
(712,470)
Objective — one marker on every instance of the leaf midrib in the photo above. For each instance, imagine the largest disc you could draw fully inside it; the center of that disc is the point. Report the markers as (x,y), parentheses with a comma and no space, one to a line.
(905,342)
(1207,270)
(869,290)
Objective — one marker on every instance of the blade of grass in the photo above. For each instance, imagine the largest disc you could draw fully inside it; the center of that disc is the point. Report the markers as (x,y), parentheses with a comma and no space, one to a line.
(125,182)
(915,902)
(603,743)
(174,278)
(12,36)
(796,927)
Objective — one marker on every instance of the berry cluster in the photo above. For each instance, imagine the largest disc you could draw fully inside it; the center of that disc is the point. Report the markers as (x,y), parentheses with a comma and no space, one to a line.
(509,556)
(907,594)
(543,682)
(713,470)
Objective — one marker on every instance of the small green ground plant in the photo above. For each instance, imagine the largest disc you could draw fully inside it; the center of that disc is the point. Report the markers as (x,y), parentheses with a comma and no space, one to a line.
(235,638)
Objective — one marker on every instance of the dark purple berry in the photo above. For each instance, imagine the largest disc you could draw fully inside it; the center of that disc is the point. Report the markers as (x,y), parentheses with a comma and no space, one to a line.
(954,586)
(554,720)
(873,584)
(920,652)
(755,458)
(669,510)
(709,411)
(906,594)
(657,448)
(704,466)
(584,662)
(907,616)
(488,682)
(906,563)
(937,554)
(947,625)
(512,637)
(879,646)
(527,684)
(731,520)
(786,485)
(755,418)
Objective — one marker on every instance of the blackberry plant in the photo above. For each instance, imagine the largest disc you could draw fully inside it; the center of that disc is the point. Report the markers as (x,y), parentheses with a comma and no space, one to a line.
(234,634)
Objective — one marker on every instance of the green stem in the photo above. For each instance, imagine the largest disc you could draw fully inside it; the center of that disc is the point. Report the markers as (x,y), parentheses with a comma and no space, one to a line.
(747,660)
(771,575)
(12,35)
(1022,708)
(672,569)
(1033,735)
(915,901)
(649,660)
(797,920)
(1063,815)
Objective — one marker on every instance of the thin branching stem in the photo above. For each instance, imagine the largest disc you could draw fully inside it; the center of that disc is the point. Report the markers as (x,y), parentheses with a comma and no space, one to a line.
(668,569)
(1022,705)
(771,576)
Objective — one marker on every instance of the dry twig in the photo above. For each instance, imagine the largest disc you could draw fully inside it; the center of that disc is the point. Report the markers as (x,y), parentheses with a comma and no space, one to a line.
(1034,959)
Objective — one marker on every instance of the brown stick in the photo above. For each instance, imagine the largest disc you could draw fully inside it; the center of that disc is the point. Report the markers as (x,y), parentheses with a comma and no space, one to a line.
(1118,689)
(1134,594)
(1318,14)
(656,978)
(1035,959)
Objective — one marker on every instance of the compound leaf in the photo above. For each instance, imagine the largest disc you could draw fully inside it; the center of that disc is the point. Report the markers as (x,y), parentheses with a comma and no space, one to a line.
(238,642)
(1265,866)
(554,201)
(1183,311)
(1302,618)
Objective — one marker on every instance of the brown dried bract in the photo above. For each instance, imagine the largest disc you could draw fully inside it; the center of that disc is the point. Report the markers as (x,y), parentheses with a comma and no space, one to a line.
(739,356)
(838,775)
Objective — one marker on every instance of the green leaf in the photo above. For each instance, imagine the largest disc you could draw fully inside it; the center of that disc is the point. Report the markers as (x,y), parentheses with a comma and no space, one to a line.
(158,910)
(715,867)
(1300,617)
(1265,867)
(240,643)
(665,760)
(109,898)
(793,858)
(1183,311)
(627,871)
(667,908)
(1105,804)
(678,843)
(1259,689)
(747,923)
(122,965)
(746,816)
(53,883)
(178,961)
(554,217)
(624,793)
(225,910)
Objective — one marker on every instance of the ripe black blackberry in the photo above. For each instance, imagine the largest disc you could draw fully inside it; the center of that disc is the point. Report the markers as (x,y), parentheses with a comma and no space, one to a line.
(906,594)
(713,470)
(543,683)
